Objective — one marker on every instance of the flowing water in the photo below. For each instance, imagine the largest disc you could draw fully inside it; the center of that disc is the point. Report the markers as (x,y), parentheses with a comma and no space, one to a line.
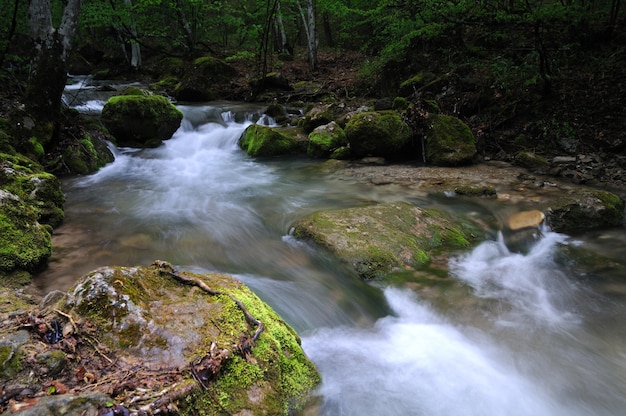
(533,333)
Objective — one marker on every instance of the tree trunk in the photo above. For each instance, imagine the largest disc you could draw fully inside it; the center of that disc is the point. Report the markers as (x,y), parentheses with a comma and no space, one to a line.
(135,49)
(281,44)
(45,89)
(308,19)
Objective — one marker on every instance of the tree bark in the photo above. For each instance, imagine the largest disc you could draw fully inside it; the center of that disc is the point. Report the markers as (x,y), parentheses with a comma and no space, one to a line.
(45,89)
(308,19)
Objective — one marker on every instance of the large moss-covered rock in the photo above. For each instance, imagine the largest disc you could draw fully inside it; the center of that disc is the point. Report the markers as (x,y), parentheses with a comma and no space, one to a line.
(39,190)
(259,140)
(382,238)
(31,204)
(586,209)
(377,133)
(325,140)
(141,121)
(151,340)
(449,141)
(207,79)
(86,155)
(25,245)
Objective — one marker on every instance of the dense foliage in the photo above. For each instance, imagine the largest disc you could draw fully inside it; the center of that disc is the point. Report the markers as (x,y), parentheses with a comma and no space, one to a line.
(387,30)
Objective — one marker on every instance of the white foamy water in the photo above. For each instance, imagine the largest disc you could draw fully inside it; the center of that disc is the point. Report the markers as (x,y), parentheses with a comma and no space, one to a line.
(416,363)
(527,288)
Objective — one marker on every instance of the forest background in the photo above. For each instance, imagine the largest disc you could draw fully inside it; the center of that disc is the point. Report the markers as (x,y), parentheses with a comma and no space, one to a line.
(538,75)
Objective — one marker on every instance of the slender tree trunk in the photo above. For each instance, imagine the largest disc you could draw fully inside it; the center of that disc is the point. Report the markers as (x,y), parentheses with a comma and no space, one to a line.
(45,89)
(282,45)
(135,48)
(184,22)
(310,29)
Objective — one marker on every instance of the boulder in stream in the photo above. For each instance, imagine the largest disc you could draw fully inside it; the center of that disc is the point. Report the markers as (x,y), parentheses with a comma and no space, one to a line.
(449,141)
(31,204)
(379,239)
(377,133)
(141,121)
(325,140)
(259,140)
(154,339)
(585,209)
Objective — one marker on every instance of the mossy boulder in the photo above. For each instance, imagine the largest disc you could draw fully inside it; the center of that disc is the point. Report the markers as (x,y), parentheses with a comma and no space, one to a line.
(141,121)
(377,133)
(259,140)
(39,190)
(586,209)
(532,161)
(449,141)
(207,79)
(232,352)
(379,239)
(86,155)
(25,244)
(319,115)
(325,140)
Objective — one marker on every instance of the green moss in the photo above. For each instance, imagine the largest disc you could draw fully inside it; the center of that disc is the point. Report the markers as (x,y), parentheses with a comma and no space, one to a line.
(54,361)
(24,243)
(377,133)
(10,361)
(449,141)
(323,141)
(274,380)
(381,238)
(36,147)
(531,160)
(260,140)
(142,121)
(400,104)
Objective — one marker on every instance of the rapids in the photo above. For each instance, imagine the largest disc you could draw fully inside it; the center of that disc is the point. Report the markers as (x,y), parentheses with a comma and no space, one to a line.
(534,333)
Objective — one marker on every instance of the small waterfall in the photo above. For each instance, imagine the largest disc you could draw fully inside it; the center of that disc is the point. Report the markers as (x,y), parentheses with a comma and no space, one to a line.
(527,287)
(416,363)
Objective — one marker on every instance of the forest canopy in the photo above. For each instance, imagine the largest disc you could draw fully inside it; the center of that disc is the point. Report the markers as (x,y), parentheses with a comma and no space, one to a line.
(385,30)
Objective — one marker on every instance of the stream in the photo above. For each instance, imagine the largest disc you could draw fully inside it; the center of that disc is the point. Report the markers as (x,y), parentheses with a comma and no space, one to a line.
(533,333)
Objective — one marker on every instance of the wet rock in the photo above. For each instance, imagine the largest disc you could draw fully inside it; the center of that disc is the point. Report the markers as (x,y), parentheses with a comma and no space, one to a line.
(156,339)
(525,219)
(325,140)
(259,140)
(84,405)
(531,161)
(318,116)
(585,209)
(25,245)
(449,141)
(373,133)
(141,121)
(382,238)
